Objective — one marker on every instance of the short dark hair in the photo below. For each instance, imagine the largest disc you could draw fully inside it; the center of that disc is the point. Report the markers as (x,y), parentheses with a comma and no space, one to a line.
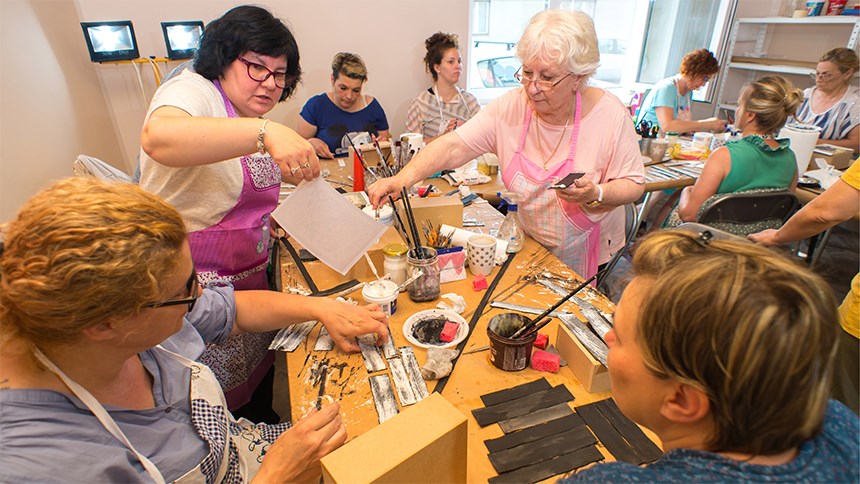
(243,29)
(436,45)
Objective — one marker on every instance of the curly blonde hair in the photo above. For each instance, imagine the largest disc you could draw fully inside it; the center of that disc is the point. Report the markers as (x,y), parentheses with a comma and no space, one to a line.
(753,330)
(81,252)
(773,99)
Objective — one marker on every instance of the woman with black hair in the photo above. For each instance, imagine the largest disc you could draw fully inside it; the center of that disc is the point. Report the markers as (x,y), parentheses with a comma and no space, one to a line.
(207,151)
(442,107)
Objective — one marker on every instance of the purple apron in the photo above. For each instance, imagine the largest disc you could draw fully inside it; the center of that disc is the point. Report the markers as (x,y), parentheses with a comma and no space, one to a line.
(558,225)
(236,250)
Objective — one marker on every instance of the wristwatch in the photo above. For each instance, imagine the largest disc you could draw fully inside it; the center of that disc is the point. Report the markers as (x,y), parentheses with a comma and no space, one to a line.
(599,200)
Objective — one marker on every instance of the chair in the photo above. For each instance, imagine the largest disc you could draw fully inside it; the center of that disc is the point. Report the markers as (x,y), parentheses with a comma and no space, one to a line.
(90,166)
(748,212)
(630,227)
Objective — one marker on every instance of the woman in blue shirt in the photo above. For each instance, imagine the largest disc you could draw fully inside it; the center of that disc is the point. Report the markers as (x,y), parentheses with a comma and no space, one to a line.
(669,103)
(102,323)
(327,117)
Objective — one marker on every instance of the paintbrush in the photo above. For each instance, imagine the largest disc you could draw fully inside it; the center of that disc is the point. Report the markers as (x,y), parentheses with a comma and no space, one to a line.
(539,321)
(400,222)
(410,217)
(372,267)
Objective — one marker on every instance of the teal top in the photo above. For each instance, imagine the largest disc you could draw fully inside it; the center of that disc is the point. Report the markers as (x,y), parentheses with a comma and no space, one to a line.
(757,165)
(664,94)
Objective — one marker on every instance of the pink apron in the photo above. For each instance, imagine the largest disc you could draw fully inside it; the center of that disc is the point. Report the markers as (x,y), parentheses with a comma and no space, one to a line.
(236,249)
(558,225)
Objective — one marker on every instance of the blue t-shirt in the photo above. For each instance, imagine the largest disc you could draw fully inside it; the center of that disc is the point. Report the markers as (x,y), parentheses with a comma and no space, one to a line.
(831,456)
(664,94)
(333,122)
(49,436)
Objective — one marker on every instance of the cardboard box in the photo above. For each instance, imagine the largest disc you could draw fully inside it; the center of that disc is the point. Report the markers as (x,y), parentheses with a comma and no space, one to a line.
(371,157)
(590,372)
(361,270)
(835,156)
(439,210)
(426,442)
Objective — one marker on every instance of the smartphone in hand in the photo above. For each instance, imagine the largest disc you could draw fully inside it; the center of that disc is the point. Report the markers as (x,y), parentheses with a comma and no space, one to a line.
(566,181)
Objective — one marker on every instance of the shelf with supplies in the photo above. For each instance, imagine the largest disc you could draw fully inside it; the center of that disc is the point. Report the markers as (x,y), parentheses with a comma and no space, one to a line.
(780,45)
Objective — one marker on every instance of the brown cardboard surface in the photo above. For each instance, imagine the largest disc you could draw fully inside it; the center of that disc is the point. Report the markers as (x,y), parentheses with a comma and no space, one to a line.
(371,157)
(361,270)
(837,157)
(426,442)
(593,375)
(439,210)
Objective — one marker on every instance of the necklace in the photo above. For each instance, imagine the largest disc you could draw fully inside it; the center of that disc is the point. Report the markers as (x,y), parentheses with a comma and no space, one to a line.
(546,159)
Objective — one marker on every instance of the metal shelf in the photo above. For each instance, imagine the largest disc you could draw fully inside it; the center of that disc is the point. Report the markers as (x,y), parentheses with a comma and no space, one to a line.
(822,20)
(771,68)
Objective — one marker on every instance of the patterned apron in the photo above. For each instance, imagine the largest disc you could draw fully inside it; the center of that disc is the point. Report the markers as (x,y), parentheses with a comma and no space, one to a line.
(236,250)
(236,448)
(558,225)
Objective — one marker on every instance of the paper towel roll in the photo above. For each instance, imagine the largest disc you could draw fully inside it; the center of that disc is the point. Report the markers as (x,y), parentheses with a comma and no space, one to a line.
(416,140)
(803,138)
(461,236)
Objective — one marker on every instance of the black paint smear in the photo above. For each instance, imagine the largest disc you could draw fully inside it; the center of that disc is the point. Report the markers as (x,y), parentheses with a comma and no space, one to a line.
(303,365)
(429,330)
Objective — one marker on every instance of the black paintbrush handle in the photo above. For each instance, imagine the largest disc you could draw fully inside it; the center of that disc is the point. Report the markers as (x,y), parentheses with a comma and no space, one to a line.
(539,317)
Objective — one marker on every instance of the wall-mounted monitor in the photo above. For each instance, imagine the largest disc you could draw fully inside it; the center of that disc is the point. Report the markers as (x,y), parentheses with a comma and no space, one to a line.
(110,41)
(182,38)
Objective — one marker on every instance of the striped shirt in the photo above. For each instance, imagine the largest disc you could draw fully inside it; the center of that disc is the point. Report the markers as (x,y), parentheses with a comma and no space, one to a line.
(429,114)
(836,122)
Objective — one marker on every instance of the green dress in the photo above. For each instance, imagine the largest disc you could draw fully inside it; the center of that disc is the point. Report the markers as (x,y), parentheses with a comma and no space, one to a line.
(756,167)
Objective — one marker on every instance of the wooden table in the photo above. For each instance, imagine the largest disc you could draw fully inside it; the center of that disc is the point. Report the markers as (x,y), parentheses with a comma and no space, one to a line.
(473,375)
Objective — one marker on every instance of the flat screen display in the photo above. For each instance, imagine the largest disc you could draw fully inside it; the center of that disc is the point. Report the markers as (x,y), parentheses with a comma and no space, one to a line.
(182,38)
(110,41)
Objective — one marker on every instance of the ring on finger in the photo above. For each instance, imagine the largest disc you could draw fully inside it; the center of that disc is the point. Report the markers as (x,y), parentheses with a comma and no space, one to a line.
(306,165)
(294,169)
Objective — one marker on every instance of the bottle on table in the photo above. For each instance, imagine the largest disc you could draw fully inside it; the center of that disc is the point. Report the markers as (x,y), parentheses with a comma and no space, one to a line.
(510,230)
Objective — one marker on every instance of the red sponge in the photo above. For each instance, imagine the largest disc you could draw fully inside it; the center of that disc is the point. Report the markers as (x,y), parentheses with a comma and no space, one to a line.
(545,361)
(541,341)
(479,283)
(449,332)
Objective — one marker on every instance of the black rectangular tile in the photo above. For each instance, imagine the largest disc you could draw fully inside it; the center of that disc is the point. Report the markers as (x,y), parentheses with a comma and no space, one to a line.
(522,406)
(515,392)
(534,433)
(541,450)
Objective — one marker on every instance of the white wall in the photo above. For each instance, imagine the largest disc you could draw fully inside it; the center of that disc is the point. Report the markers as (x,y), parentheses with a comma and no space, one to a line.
(69,105)
(51,105)
(388,34)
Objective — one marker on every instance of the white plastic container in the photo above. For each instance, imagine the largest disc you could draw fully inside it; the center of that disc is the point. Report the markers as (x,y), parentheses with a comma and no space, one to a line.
(386,214)
(803,138)
(395,262)
(702,141)
(383,293)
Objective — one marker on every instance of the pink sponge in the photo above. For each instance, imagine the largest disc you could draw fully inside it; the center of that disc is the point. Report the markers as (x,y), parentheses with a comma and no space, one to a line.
(449,332)
(479,283)
(545,361)
(541,341)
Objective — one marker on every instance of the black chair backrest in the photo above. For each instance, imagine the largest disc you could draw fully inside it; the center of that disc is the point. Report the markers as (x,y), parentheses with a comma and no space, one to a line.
(745,208)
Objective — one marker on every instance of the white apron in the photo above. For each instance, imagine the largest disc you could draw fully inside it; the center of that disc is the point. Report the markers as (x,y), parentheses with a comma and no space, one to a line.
(236,459)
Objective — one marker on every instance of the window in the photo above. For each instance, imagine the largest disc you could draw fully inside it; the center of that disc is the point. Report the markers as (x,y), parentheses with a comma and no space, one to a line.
(480,17)
(640,41)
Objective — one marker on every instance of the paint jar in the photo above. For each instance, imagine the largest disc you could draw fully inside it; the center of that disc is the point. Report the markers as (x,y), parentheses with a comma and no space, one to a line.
(383,293)
(506,353)
(395,262)
(385,214)
(672,138)
(702,141)
(427,287)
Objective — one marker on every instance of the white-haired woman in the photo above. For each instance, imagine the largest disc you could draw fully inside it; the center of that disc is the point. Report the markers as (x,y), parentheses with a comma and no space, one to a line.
(554,125)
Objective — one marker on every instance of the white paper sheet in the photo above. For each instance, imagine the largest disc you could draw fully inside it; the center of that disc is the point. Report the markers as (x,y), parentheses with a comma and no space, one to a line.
(328,225)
